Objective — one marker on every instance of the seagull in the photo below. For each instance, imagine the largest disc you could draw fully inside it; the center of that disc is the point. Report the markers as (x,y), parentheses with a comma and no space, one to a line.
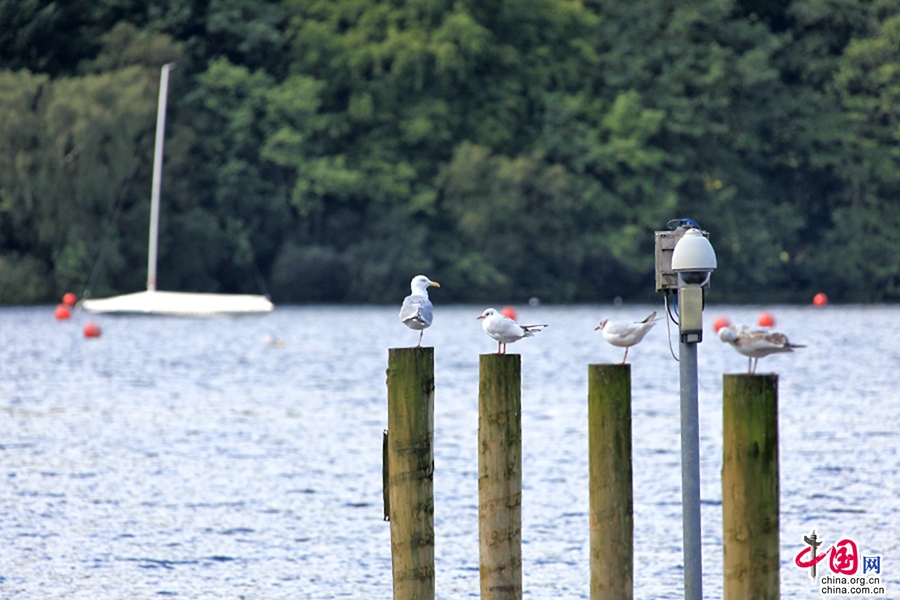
(505,330)
(270,341)
(756,343)
(417,311)
(625,335)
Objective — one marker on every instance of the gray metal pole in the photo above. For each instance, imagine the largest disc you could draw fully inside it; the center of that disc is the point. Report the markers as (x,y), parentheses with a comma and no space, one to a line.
(690,473)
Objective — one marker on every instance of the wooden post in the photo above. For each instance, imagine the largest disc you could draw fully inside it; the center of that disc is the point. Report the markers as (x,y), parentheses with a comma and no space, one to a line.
(500,476)
(750,486)
(611,493)
(411,471)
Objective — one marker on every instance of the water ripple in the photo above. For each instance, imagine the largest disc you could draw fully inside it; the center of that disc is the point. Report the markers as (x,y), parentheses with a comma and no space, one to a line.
(186,458)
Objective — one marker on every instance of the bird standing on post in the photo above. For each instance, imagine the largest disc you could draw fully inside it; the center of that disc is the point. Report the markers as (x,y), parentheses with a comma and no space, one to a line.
(505,330)
(417,311)
(756,344)
(625,335)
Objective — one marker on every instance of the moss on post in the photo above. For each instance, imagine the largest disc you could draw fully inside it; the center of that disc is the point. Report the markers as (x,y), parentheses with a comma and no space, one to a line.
(411,471)
(500,476)
(750,486)
(610,481)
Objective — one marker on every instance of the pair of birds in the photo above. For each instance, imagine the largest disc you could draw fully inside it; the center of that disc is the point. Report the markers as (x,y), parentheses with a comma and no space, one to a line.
(752,343)
(624,335)
(417,313)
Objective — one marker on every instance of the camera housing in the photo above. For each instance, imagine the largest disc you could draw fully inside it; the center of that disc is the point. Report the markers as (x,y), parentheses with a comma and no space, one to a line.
(694,258)
(687,269)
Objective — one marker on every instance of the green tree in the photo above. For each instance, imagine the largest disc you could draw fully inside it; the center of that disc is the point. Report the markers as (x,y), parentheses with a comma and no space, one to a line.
(69,150)
(245,194)
(509,148)
(862,249)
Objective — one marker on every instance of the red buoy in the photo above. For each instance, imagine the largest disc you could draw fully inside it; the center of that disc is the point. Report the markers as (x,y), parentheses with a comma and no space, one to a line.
(766,320)
(91,330)
(62,312)
(509,311)
(820,299)
(70,299)
(721,322)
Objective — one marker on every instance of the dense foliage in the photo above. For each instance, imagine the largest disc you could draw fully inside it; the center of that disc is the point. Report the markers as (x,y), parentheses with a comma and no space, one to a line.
(329,150)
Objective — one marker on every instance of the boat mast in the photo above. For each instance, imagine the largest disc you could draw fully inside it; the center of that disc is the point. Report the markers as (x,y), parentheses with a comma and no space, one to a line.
(157,175)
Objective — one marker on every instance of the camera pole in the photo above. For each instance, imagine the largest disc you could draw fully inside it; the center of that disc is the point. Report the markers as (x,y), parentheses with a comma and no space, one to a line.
(690,472)
(684,262)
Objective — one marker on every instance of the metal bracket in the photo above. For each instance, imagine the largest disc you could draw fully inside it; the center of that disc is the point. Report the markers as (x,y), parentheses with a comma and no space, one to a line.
(666,278)
(385,477)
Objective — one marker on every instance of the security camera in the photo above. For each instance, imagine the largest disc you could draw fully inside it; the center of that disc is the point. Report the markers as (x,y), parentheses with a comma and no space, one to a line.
(694,258)
(667,280)
(693,261)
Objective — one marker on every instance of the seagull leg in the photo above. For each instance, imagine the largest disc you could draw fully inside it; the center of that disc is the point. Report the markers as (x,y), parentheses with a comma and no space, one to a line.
(626,355)
(750,365)
(419,345)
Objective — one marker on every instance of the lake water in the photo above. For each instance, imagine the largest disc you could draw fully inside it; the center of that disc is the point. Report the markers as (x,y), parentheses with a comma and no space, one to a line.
(189,459)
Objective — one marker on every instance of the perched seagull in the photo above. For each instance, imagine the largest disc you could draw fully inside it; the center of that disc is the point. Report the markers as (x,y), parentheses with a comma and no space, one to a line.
(417,311)
(505,330)
(756,343)
(625,335)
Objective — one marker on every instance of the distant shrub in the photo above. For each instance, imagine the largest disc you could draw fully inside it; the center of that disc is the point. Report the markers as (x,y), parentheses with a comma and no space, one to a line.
(304,274)
(23,280)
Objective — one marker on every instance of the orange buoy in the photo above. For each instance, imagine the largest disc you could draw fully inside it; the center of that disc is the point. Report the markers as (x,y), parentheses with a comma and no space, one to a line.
(62,312)
(509,311)
(70,299)
(721,322)
(820,299)
(91,330)
(766,320)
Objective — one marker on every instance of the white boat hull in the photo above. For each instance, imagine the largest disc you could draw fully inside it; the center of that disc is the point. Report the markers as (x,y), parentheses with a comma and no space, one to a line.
(180,304)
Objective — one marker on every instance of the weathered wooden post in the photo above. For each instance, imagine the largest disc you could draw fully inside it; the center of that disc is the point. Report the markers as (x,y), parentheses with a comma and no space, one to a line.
(750,486)
(500,476)
(411,471)
(610,481)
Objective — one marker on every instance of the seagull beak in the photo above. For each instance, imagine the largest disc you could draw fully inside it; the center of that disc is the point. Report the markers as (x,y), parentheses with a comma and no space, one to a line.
(479,317)
(435,284)
(598,327)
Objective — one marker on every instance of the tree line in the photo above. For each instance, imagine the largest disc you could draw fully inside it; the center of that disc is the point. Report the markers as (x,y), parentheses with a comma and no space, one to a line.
(329,150)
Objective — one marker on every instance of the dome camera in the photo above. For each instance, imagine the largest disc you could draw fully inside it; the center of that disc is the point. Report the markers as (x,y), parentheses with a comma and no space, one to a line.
(694,258)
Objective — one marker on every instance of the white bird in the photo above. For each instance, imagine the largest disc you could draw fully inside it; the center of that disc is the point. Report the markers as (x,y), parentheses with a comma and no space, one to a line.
(756,343)
(271,341)
(505,330)
(417,311)
(625,335)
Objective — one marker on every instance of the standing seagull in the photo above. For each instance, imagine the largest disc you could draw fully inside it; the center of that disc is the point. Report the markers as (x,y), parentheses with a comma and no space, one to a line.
(505,330)
(417,311)
(756,343)
(625,335)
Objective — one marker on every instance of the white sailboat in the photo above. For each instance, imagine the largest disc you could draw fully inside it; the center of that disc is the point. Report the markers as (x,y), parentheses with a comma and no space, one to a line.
(156,302)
